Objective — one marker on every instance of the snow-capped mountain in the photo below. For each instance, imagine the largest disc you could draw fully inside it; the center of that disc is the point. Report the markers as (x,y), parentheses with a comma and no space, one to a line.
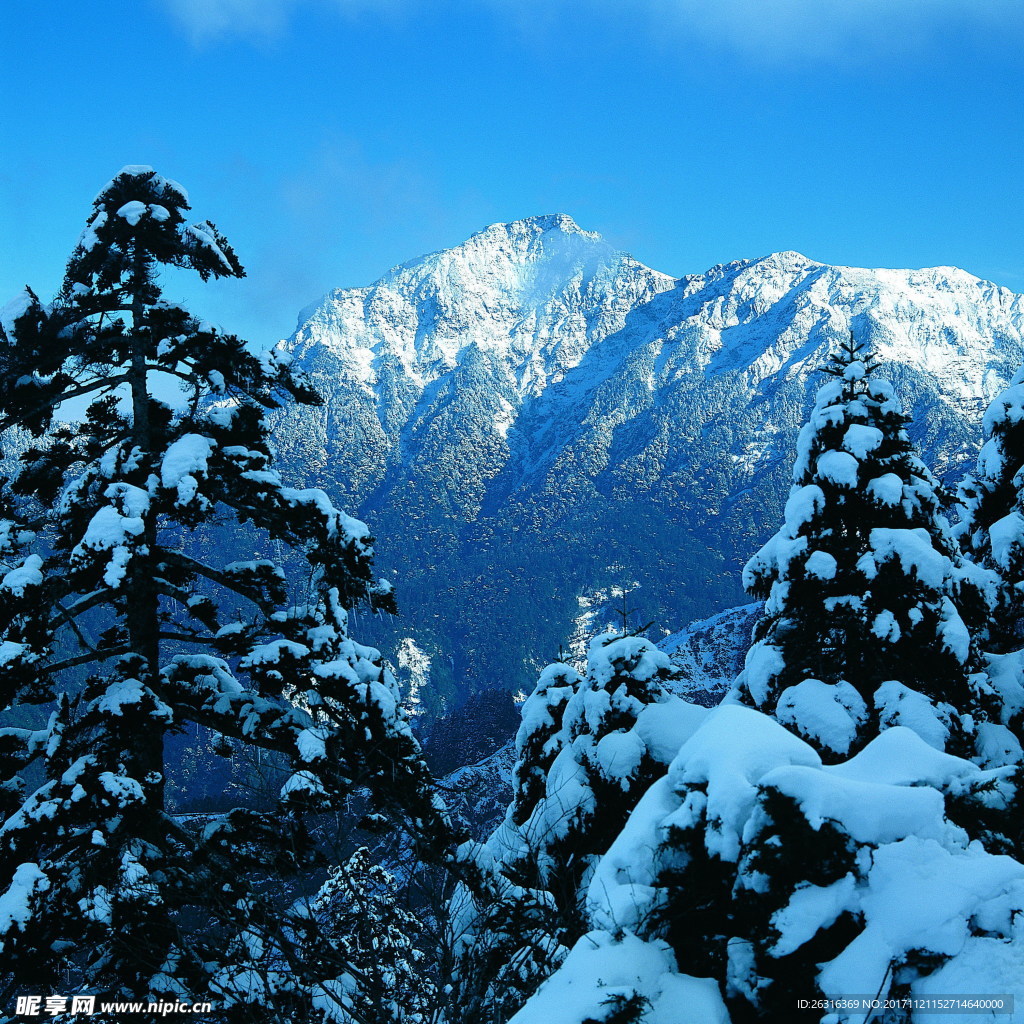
(533,415)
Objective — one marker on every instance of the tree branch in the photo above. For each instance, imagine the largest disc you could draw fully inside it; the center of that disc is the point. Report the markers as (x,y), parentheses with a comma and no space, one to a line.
(110,382)
(85,659)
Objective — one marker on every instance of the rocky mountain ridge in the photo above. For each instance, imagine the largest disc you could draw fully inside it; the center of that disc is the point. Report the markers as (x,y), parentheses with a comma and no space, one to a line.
(533,415)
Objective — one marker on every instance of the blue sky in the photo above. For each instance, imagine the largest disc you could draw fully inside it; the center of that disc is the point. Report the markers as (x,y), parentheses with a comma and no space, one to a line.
(332,139)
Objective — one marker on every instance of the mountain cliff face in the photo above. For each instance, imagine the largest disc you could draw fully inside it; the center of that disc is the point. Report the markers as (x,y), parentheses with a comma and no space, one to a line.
(532,416)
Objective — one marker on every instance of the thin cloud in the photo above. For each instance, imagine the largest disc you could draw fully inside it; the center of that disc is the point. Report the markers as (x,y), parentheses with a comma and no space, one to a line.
(207,20)
(828,29)
(766,29)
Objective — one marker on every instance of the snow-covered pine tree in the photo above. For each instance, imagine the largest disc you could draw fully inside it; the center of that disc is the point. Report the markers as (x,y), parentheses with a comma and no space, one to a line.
(991,530)
(583,764)
(541,737)
(862,627)
(366,930)
(991,535)
(778,878)
(504,941)
(601,771)
(99,884)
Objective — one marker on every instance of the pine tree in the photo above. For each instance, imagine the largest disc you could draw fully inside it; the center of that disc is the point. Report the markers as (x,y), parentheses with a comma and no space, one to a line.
(541,737)
(601,771)
(505,942)
(108,613)
(582,766)
(862,625)
(991,535)
(371,938)
(991,530)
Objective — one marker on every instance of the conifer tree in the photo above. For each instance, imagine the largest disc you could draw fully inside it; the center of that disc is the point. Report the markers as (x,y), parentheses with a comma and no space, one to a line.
(582,766)
(366,932)
(862,626)
(506,941)
(991,530)
(99,883)
(541,737)
(603,768)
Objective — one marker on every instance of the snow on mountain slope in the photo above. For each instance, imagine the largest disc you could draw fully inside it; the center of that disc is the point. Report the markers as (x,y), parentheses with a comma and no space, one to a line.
(533,415)
(710,652)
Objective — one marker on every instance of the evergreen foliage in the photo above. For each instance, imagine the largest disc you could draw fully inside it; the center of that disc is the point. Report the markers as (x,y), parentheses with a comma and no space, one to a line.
(507,942)
(582,764)
(777,865)
(370,937)
(863,626)
(100,883)
(991,530)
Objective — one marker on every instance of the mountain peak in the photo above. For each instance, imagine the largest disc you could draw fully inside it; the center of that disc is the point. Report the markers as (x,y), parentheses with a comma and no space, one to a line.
(529,229)
(546,222)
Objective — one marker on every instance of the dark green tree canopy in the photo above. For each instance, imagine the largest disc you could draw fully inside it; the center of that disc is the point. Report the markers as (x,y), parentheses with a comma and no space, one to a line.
(112,608)
(863,625)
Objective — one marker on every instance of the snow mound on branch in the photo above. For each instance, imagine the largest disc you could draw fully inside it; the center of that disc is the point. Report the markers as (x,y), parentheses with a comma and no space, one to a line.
(829,714)
(28,574)
(113,528)
(725,758)
(132,212)
(914,550)
(860,440)
(16,902)
(184,460)
(920,895)
(601,971)
(918,884)
(14,309)
(839,467)
(898,704)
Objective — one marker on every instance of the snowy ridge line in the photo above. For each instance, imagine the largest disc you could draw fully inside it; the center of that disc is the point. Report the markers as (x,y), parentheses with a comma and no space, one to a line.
(534,383)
